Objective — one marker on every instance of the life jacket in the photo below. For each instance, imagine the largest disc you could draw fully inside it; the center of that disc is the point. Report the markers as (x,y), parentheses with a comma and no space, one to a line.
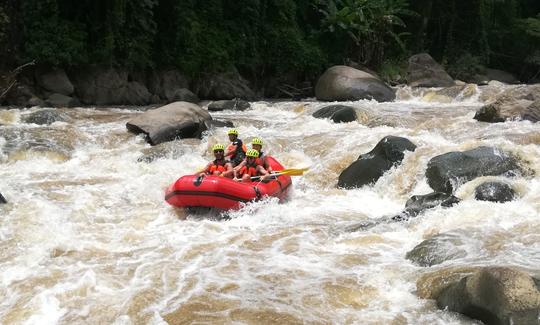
(239,154)
(217,166)
(261,160)
(251,170)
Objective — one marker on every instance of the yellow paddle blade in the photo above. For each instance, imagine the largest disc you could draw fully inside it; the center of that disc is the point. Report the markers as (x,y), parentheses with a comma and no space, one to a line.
(292,171)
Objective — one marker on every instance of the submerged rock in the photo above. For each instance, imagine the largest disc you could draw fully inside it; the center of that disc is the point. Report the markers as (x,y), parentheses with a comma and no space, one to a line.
(45,117)
(343,83)
(212,124)
(437,249)
(337,113)
(166,123)
(371,166)
(447,171)
(494,295)
(2,199)
(170,150)
(419,203)
(234,104)
(494,192)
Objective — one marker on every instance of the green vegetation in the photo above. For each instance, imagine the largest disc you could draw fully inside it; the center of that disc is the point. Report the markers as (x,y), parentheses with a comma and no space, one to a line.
(287,39)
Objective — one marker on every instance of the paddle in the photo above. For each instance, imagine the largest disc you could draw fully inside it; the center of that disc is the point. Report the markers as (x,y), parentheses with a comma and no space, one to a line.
(290,172)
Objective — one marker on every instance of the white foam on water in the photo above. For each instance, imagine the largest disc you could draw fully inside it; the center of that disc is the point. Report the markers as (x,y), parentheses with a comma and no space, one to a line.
(90,239)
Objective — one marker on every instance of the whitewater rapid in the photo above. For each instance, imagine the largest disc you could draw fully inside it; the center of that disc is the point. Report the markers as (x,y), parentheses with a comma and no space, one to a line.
(87,237)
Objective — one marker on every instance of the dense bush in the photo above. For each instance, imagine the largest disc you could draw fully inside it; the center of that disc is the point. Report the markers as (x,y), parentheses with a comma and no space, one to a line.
(272,38)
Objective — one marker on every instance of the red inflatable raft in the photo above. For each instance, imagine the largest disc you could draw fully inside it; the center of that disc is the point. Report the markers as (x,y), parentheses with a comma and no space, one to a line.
(224,193)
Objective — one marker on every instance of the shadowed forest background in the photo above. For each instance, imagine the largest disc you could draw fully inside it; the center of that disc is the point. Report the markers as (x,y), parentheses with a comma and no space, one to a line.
(286,39)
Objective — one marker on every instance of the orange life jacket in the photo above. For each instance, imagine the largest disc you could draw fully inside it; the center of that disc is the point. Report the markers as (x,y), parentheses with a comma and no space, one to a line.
(250,170)
(217,166)
(261,160)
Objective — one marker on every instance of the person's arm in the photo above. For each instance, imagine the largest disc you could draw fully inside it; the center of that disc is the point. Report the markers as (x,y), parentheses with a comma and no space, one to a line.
(263,173)
(230,150)
(205,170)
(267,165)
(236,170)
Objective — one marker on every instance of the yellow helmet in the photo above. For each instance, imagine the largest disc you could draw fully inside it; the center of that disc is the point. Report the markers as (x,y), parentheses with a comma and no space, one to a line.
(257,141)
(252,153)
(218,146)
(232,131)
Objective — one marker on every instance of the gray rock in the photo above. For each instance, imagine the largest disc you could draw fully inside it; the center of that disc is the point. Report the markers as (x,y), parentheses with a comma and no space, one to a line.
(494,192)
(54,80)
(437,249)
(371,166)
(419,203)
(212,124)
(224,86)
(45,117)
(59,100)
(337,113)
(502,76)
(343,83)
(100,86)
(532,112)
(166,83)
(424,71)
(185,95)
(447,171)
(136,94)
(494,295)
(2,199)
(169,122)
(21,95)
(235,104)
(36,101)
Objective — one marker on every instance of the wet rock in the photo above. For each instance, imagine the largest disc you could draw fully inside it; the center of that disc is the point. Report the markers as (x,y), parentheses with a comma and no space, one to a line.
(337,113)
(185,95)
(424,71)
(212,124)
(136,94)
(532,112)
(521,102)
(169,150)
(371,166)
(36,101)
(59,100)
(494,192)
(54,80)
(419,203)
(437,249)
(176,120)
(57,144)
(502,76)
(494,295)
(166,83)
(343,83)
(235,104)
(224,86)
(2,199)
(446,172)
(45,117)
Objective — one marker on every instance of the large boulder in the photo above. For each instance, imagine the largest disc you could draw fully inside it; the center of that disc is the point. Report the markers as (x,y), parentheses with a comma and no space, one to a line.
(494,192)
(502,76)
(59,100)
(447,171)
(437,249)
(185,95)
(176,120)
(136,93)
(45,117)
(337,113)
(371,166)
(228,85)
(424,71)
(343,83)
(521,102)
(166,83)
(54,80)
(494,295)
(235,104)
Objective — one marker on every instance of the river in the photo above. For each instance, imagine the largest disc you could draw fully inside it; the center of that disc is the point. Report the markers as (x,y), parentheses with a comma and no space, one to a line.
(87,237)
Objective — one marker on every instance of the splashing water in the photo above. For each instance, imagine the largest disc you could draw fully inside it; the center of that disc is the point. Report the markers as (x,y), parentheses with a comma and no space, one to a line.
(87,237)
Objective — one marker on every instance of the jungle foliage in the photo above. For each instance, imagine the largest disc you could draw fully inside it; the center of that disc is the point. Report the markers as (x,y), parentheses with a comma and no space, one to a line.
(272,38)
